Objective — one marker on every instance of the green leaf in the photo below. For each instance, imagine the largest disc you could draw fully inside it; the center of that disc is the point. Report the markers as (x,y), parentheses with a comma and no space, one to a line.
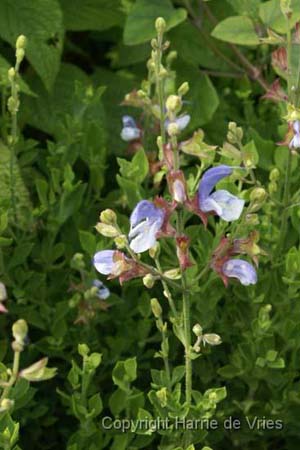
(23,204)
(80,15)
(202,97)
(245,7)
(41,22)
(270,13)
(237,29)
(140,23)
(47,110)
(87,241)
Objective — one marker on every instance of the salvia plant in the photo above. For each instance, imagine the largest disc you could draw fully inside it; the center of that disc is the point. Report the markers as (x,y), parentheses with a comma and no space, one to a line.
(172,322)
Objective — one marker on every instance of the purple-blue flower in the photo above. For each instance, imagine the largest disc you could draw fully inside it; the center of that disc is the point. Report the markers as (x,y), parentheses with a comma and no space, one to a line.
(130,131)
(295,142)
(225,205)
(182,121)
(240,269)
(145,222)
(104,261)
(103,292)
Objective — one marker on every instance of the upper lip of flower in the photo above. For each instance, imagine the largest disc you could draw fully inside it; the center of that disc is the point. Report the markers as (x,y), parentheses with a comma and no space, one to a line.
(130,131)
(240,269)
(222,202)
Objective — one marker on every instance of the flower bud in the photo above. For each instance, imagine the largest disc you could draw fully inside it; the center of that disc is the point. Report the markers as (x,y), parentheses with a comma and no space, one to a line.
(6,404)
(162,396)
(38,371)
(11,74)
(173,103)
(197,330)
(183,89)
(235,133)
(258,195)
(156,308)
(108,216)
(173,274)
(20,53)
(173,129)
(121,241)
(212,339)
(160,25)
(155,250)
(154,44)
(274,174)
(77,261)
(171,56)
(252,219)
(285,6)
(107,230)
(148,281)
(20,330)
(272,187)
(21,42)
(163,73)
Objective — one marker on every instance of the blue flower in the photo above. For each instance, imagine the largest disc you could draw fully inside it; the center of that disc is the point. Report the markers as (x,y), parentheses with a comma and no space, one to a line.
(225,205)
(295,142)
(103,292)
(240,269)
(104,261)
(130,131)
(182,121)
(145,222)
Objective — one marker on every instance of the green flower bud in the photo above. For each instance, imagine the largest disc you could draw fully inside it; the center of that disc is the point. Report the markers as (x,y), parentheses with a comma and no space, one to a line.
(171,56)
(252,219)
(38,371)
(212,339)
(163,73)
(160,25)
(11,74)
(173,103)
(21,42)
(83,350)
(274,174)
(285,6)
(108,216)
(173,129)
(148,281)
(155,250)
(6,404)
(258,195)
(77,261)
(20,53)
(173,274)
(154,44)
(272,187)
(156,308)
(162,396)
(235,133)
(20,330)
(197,330)
(183,89)
(121,241)
(107,230)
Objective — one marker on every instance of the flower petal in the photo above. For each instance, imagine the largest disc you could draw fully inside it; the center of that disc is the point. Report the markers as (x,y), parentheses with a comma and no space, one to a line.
(104,261)
(146,210)
(103,292)
(232,206)
(130,130)
(296,126)
(240,269)
(210,179)
(143,236)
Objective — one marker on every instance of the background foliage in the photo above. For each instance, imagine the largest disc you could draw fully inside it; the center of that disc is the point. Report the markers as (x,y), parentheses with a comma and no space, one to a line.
(83,56)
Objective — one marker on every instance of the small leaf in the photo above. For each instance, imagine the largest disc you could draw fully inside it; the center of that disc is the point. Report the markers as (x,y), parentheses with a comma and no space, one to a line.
(237,29)
(140,23)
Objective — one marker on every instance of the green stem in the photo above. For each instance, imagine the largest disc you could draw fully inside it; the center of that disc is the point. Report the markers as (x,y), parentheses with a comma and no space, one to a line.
(13,377)
(166,289)
(287,182)
(185,295)
(160,89)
